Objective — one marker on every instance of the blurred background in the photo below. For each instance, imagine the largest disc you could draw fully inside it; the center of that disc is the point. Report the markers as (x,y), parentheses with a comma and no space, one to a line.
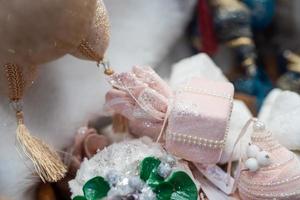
(254,42)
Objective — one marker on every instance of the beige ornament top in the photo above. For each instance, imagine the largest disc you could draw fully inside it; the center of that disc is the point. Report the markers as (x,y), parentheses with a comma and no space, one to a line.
(38,32)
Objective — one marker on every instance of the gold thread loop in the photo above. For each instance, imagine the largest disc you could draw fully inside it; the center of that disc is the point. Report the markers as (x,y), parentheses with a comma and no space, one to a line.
(107,68)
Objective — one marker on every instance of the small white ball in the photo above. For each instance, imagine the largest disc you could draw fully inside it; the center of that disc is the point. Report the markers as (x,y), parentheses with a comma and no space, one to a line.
(259,126)
(164,170)
(252,164)
(263,158)
(252,150)
(170,160)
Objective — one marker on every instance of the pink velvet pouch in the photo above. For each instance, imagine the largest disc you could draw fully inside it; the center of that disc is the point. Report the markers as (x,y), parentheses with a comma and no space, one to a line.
(198,122)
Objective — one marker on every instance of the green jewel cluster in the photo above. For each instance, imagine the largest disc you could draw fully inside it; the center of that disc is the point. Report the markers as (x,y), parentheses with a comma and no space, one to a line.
(95,189)
(177,186)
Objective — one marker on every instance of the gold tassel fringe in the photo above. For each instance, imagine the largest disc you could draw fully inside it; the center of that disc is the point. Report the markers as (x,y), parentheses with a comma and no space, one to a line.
(120,124)
(46,161)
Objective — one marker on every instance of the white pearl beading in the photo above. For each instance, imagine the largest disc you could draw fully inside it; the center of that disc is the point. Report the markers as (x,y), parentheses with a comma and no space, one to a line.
(184,138)
(260,138)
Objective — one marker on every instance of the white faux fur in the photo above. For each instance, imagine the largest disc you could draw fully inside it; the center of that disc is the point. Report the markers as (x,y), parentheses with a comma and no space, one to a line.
(69,91)
(283,117)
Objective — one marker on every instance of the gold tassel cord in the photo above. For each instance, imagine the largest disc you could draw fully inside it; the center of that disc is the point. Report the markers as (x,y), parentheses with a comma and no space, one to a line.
(46,161)
(120,123)
(87,51)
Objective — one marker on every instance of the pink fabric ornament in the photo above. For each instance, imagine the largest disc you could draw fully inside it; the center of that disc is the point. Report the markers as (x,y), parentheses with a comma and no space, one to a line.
(195,117)
(280,179)
(198,122)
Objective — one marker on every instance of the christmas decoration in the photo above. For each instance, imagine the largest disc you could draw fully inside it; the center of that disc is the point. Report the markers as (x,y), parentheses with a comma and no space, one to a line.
(67,23)
(133,169)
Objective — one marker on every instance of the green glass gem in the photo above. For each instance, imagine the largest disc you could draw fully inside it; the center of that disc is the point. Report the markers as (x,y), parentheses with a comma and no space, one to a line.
(183,186)
(79,198)
(96,188)
(147,166)
(164,191)
(154,179)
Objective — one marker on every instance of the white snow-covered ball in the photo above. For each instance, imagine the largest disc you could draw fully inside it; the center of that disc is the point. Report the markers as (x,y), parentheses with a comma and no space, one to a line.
(119,164)
(123,158)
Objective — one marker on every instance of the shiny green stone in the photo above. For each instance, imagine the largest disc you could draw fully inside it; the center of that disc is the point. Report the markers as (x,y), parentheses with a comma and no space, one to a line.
(79,198)
(96,188)
(183,186)
(147,166)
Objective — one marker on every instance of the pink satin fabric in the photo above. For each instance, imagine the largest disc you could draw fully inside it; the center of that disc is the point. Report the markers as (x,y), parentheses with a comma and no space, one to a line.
(144,98)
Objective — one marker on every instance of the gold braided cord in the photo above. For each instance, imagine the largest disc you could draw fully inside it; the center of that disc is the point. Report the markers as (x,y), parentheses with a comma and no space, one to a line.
(87,51)
(16,82)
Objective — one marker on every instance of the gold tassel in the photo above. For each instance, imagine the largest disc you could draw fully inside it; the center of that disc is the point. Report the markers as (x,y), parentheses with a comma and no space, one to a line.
(46,161)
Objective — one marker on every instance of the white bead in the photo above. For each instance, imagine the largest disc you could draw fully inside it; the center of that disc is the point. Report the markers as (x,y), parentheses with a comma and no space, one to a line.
(263,158)
(252,164)
(259,126)
(170,160)
(252,150)
(164,170)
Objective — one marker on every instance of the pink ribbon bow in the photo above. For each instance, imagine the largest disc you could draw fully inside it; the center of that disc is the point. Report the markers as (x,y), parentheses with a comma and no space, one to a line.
(142,97)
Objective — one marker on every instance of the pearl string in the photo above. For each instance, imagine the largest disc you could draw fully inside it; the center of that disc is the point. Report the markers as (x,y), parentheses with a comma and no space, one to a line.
(215,144)
(184,138)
